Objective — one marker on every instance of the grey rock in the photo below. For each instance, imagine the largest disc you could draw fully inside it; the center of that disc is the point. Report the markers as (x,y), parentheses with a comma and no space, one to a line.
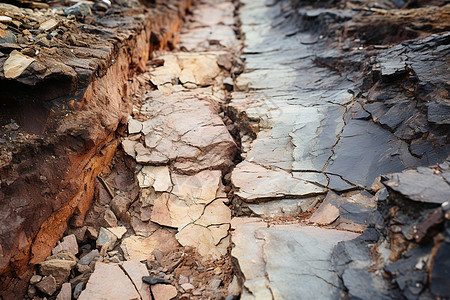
(81,9)
(86,259)
(375,152)
(77,290)
(106,238)
(423,185)
(270,259)
(65,293)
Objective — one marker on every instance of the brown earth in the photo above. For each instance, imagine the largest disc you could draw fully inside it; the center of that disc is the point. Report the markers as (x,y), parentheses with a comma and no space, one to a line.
(48,165)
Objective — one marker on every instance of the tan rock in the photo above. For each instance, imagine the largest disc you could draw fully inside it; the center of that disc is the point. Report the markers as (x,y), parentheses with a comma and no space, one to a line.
(200,188)
(326,214)
(140,248)
(209,241)
(128,147)
(257,182)
(215,213)
(68,243)
(110,282)
(48,25)
(156,177)
(119,206)
(163,291)
(58,268)
(171,211)
(135,271)
(200,69)
(118,231)
(65,293)
(16,64)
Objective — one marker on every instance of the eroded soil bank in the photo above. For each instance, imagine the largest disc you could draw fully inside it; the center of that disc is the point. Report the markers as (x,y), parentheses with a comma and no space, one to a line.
(265,146)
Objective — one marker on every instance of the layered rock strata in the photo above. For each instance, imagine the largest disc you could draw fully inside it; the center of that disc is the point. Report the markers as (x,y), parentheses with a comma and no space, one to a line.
(59,128)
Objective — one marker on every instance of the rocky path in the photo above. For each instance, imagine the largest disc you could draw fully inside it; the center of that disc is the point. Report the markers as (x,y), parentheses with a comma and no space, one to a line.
(254,164)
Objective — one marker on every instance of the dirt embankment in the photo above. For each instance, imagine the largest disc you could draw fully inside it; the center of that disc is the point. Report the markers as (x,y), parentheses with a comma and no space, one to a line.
(66,89)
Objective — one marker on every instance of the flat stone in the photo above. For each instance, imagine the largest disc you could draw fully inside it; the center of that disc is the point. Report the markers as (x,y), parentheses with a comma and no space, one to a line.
(283,207)
(68,243)
(16,64)
(134,126)
(118,231)
(135,271)
(256,182)
(270,259)
(156,177)
(47,285)
(422,185)
(128,147)
(210,241)
(65,293)
(88,258)
(48,25)
(376,152)
(103,284)
(200,188)
(163,291)
(140,248)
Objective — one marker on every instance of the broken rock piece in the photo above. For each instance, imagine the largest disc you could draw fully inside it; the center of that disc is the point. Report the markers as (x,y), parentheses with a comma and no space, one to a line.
(257,182)
(16,64)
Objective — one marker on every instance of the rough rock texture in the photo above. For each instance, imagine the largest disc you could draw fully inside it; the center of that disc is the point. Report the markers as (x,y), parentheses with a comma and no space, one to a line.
(272,259)
(338,117)
(104,282)
(408,245)
(55,146)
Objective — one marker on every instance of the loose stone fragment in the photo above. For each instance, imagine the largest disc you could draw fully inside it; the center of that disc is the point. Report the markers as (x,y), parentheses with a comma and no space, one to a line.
(163,291)
(68,243)
(65,293)
(47,285)
(16,64)
(103,284)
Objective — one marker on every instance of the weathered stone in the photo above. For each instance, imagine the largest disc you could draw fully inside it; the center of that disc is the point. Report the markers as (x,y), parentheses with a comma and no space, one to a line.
(58,268)
(270,259)
(163,291)
(200,188)
(47,285)
(134,126)
(106,238)
(423,185)
(65,293)
(128,147)
(208,241)
(119,205)
(103,284)
(143,228)
(283,207)
(48,25)
(68,243)
(156,177)
(118,231)
(140,248)
(110,218)
(256,182)
(16,64)
(135,271)
(35,279)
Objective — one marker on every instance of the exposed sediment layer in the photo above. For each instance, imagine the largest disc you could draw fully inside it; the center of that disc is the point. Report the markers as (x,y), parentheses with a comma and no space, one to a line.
(47,175)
